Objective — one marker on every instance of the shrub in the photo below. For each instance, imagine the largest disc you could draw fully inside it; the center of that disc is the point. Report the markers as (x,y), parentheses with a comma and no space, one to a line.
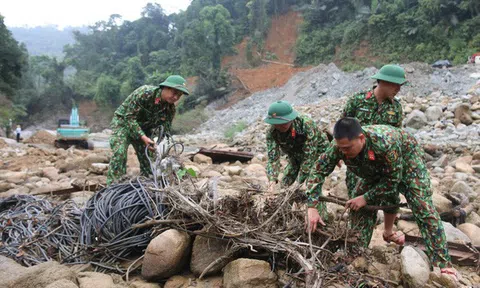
(191,119)
(234,129)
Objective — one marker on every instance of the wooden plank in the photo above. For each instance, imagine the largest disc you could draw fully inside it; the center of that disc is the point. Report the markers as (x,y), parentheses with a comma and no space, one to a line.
(461,254)
(220,156)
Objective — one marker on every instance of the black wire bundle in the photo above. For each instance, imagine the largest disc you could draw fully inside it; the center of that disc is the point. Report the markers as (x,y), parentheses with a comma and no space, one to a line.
(108,218)
(33,231)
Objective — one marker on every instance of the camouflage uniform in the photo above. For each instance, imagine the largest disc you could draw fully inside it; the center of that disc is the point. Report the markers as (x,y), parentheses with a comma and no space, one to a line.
(141,113)
(390,163)
(303,143)
(368,111)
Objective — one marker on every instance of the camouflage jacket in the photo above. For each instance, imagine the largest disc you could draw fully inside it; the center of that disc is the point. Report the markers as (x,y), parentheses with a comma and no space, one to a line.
(390,157)
(365,108)
(143,111)
(303,144)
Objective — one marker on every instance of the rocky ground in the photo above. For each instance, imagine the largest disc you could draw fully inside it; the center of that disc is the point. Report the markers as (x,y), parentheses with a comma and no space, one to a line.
(441,108)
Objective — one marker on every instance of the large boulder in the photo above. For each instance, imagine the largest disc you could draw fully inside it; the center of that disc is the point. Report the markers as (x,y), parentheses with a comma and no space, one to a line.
(463,164)
(9,269)
(415,269)
(455,235)
(249,273)
(94,279)
(472,231)
(463,113)
(474,218)
(461,187)
(204,252)
(40,275)
(434,113)
(416,119)
(166,255)
(441,203)
(407,227)
(63,283)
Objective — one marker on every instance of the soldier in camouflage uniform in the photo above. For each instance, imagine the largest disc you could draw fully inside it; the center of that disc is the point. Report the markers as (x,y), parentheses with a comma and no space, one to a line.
(388,161)
(377,106)
(146,109)
(295,135)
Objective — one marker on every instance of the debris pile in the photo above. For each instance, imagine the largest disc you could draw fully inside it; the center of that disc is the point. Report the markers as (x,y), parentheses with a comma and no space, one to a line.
(41,137)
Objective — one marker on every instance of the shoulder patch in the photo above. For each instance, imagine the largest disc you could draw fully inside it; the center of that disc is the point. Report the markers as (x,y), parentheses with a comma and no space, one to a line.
(369,95)
(371,155)
(392,156)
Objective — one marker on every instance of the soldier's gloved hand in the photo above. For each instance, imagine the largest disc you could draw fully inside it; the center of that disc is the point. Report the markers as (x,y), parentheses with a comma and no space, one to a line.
(149,143)
(312,219)
(356,203)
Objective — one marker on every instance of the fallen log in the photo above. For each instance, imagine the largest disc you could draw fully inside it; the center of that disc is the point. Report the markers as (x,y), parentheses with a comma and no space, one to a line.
(220,156)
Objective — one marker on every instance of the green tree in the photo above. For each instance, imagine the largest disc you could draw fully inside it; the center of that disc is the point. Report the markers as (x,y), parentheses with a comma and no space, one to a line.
(13,60)
(107,91)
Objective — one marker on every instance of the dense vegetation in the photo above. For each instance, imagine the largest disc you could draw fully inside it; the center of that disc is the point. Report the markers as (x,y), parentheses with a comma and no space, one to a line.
(394,30)
(114,57)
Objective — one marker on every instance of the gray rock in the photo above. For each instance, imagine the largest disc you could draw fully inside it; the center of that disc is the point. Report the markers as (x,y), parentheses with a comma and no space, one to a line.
(472,231)
(463,188)
(63,283)
(94,279)
(233,170)
(441,203)
(166,255)
(249,273)
(434,113)
(463,113)
(474,218)
(40,275)
(98,168)
(204,252)
(415,269)
(416,119)
(442,162)
(455,235)
(202,159)
(50,173)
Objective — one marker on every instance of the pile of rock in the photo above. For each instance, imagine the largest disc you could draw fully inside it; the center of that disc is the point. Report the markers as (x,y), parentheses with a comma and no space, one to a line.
(42,137)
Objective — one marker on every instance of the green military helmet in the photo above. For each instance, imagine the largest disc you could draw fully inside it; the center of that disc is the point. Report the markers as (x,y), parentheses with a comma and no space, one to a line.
(280,112)
(176,82)
(391,73)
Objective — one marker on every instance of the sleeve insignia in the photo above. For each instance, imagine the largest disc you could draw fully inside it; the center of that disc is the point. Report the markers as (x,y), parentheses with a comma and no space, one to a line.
(392,156)
(371,155)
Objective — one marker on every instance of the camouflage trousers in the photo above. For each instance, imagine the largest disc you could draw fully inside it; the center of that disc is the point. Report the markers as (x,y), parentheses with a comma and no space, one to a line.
(419,198)
(119,142)
(290,174)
